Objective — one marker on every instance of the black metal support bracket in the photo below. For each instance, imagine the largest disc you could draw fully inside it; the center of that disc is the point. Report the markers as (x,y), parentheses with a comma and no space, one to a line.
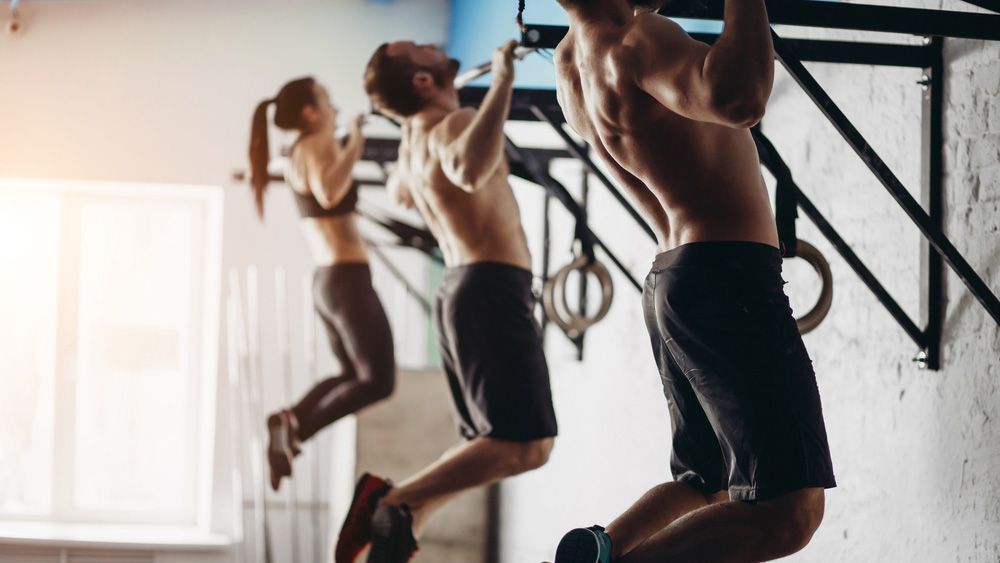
(776,165)
(931,231)
(932,191)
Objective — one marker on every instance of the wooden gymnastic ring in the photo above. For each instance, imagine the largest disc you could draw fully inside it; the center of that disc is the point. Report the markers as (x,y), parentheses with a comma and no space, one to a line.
(819,311)
(556,305)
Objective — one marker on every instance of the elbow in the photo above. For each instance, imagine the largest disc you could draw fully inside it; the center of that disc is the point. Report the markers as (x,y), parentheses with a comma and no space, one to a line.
(740,112)
(467,178)
(336,193)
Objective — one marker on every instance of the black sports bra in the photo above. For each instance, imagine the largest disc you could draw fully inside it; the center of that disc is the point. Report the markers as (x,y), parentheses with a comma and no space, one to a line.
(310,207)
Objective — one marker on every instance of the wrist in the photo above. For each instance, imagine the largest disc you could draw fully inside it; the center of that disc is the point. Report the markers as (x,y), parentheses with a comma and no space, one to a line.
(503,84)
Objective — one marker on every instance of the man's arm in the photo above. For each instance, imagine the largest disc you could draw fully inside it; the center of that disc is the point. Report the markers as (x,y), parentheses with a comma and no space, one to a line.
(398,182)
(331,179)
(728,84)
(471,144)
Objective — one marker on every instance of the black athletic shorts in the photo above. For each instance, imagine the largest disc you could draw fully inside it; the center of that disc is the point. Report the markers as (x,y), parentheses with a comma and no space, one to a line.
(491,347)
(739,384)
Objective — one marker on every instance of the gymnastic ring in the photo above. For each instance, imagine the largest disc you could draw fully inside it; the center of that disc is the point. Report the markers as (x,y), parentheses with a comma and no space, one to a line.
(554,298)
(819,311)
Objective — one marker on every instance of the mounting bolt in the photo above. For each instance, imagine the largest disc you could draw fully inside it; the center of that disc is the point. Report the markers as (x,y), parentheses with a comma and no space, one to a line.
(927,40)
(925,82)
(921,359)
(14,25)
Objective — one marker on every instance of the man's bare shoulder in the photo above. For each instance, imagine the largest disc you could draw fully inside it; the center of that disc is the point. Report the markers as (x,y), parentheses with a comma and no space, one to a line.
(647,27)
(563,54)
(653,35)
(453,124)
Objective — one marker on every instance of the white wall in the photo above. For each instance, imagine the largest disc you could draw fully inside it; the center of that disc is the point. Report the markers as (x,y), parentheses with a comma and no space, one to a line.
(915,451)
(163,91)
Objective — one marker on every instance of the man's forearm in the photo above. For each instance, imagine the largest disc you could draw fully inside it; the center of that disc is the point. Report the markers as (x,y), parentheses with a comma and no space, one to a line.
(741,63)
(480,147)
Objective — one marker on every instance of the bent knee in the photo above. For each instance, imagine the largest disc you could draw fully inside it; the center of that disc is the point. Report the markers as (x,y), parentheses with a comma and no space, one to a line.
(798,516)
(532,455)
(379,387)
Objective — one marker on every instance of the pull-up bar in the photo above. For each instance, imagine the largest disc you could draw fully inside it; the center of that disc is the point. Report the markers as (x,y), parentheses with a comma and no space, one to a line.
(864,17)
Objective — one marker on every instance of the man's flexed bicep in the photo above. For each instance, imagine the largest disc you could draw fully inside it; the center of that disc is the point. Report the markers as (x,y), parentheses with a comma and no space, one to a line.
(470,143)
(728,84)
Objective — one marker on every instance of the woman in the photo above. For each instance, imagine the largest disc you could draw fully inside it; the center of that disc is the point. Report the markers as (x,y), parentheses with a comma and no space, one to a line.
(320,176)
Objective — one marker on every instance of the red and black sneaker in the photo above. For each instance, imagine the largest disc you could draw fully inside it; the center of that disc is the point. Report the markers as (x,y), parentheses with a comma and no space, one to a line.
(392,535)
(356,533)
(283,445)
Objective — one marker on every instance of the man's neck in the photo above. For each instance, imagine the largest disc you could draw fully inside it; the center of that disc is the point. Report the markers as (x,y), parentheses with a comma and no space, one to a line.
(615,12)
(437,108)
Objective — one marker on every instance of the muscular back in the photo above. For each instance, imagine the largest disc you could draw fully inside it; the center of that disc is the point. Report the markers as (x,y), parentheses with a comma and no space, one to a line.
(693,180)
(472,223)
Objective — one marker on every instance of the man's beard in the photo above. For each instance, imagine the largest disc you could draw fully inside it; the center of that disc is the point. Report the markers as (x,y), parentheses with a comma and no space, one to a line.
(444,74)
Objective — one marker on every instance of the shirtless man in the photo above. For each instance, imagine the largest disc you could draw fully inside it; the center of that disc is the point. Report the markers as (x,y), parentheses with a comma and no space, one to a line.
(670,117)
(452,168)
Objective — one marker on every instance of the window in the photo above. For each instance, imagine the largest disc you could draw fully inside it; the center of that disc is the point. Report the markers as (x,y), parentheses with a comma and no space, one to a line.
(108,338)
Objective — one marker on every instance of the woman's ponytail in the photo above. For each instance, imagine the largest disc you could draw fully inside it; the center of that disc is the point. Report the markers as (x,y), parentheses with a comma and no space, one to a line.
(260,155)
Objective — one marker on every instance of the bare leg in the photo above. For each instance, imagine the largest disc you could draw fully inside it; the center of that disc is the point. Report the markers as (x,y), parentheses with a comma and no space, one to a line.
(736,532)
(656,510)
(475,463)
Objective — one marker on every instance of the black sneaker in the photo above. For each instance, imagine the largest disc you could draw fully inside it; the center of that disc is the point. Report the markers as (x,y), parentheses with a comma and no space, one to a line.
(392,535)
(584,545)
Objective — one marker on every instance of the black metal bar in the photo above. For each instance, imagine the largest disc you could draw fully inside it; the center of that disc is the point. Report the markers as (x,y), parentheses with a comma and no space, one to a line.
(546,251)
(773,162)
(381,150)
(992,5)
(583,157)
(932,141)
(584,205)
(869,279)
(421,300)
(520,103)
(540,177)
(864,17)
(912,208)
(811,50)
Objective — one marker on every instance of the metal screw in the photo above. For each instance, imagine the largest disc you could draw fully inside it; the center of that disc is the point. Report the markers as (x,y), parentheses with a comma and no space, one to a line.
(921,359)
(925,82)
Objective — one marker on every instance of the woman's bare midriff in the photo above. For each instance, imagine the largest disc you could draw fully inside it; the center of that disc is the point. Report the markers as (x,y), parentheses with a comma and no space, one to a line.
(335,240)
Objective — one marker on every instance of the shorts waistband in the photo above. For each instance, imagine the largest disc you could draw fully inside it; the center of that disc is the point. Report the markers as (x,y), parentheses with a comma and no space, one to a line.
(342,267)
(452,271)
(726,253)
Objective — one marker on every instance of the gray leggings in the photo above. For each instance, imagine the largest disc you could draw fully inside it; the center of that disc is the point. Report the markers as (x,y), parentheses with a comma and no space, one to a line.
(360,339)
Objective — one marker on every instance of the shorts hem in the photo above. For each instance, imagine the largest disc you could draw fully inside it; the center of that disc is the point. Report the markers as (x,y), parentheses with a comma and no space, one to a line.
(515,437)
(755,494)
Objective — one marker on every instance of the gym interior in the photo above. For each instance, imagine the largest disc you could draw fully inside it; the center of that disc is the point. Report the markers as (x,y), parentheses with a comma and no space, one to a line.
(150,320)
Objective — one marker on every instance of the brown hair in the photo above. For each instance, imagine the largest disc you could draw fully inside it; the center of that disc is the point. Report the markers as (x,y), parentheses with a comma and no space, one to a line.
(289,102)
(651,5)
(389,82)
